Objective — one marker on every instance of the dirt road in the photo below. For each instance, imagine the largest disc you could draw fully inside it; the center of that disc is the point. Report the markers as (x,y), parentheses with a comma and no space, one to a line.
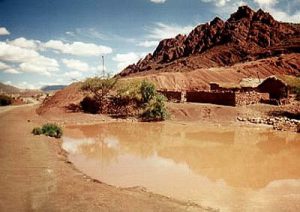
(35,176)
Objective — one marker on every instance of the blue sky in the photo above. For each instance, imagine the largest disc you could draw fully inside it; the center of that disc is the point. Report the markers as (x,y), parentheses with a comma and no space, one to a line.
(45,42)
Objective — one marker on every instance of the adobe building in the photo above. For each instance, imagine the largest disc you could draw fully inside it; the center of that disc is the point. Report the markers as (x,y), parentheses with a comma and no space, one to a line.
(248,91)
(276,88)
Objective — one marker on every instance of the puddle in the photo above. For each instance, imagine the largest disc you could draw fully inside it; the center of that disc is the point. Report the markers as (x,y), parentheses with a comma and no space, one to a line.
(242,169)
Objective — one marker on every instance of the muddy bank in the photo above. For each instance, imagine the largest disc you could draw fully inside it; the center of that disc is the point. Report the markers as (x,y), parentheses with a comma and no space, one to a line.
(34,175)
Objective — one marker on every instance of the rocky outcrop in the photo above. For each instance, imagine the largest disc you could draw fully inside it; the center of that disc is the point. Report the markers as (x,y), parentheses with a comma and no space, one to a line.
(246,35)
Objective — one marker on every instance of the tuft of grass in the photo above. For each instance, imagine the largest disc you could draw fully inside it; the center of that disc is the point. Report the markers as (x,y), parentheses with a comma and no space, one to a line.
(51,130)
(37,131)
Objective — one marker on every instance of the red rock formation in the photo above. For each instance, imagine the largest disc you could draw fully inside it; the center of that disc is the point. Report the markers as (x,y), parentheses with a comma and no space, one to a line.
(247,35)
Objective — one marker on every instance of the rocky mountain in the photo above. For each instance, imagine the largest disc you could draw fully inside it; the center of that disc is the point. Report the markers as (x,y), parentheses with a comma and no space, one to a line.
(246,36)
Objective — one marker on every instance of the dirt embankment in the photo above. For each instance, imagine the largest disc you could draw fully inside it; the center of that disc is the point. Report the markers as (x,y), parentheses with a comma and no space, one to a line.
(34,175)
(199,79)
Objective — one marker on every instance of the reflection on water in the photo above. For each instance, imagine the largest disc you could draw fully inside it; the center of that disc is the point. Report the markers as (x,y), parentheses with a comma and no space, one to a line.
(241,169)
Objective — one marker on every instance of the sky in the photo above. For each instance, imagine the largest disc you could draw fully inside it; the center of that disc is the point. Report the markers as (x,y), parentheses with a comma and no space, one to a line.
(50,42)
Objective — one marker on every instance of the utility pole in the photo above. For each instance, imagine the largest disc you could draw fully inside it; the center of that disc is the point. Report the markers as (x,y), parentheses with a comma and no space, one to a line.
(103,72)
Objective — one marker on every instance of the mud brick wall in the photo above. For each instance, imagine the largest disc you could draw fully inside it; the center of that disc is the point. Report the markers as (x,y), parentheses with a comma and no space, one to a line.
(247,98)
(220,98)
(173,96)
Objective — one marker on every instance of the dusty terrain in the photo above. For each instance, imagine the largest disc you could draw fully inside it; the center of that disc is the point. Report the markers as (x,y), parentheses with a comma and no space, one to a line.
(35,175)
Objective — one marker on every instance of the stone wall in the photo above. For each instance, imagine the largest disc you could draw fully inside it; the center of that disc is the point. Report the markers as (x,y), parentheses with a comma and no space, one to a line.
(227,98)
(220,98)
(174,96)
(248,98)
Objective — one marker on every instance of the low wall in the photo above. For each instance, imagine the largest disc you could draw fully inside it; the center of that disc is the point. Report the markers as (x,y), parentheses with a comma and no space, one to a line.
(220,98)
(173,96)
(248,98)
(227,98)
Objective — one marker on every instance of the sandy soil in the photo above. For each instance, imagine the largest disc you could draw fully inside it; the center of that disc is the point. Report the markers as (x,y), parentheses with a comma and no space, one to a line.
(35,175)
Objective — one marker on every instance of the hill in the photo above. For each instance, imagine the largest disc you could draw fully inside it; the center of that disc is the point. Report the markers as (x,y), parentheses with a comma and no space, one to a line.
(8,89)
(246,36)
(50,88)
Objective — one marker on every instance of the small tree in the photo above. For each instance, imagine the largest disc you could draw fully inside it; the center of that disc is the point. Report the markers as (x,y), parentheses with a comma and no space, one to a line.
(155,109)
(148,91)
(99,88)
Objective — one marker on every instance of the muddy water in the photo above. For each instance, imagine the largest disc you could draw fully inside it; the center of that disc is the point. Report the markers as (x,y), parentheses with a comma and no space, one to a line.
(233,169)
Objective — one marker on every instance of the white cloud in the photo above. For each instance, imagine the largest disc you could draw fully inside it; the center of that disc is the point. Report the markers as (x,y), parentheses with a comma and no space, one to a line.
(158,1)
(24,43)
(4,31)
(78,48)
(16,54)
(265,2)
(3,66)
(218,3)
(11,71)
(73,74)
(26,85)
(279,13)
(148,43)
(76,64)
(283,16)
(124,60)
(162,31)
(29,60)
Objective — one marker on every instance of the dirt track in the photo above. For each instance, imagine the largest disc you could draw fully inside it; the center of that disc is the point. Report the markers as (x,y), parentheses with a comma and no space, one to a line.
(34,175)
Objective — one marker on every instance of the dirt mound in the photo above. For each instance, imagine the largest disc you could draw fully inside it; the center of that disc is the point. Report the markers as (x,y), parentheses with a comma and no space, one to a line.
(199,79)
(62,99)
(247,35)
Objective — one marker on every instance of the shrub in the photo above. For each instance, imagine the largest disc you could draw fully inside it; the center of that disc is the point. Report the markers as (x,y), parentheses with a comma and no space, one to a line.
(148,91)
(99,88)
(5,100)
(37,131)
(155,110)
(129,90)
(90,105)
(52,130)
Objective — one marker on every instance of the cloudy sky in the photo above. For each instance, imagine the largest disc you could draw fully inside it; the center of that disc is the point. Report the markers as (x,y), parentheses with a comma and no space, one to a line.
(45,42)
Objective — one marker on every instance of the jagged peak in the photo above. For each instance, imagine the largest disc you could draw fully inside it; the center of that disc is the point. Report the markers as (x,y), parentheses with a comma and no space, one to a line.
(216,20)
(242,12)
(264,17)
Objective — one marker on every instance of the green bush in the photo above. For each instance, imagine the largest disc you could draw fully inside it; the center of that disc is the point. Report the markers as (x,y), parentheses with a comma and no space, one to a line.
(99,88)
(155,110)
(129,90)
(51,130)
(5,100)
(148,91)
(37,131)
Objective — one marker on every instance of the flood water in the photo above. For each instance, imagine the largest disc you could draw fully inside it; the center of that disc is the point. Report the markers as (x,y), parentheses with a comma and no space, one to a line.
(232,169)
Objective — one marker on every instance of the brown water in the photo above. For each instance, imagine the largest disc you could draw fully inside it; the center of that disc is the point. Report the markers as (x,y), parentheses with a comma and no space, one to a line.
(233,169)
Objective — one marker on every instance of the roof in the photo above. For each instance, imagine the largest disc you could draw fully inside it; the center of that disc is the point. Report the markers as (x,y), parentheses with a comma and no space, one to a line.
(275,79)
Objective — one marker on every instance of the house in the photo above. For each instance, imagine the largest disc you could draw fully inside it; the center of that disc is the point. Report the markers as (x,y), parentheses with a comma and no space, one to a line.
(276,88)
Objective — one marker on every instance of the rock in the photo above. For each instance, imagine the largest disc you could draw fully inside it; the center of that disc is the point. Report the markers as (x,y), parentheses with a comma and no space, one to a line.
(248,33)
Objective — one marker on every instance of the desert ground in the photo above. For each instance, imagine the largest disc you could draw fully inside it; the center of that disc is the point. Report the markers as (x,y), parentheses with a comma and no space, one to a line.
(36,176)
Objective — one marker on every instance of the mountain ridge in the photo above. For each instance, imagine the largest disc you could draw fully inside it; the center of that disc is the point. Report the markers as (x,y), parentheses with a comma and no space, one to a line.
(246,36)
